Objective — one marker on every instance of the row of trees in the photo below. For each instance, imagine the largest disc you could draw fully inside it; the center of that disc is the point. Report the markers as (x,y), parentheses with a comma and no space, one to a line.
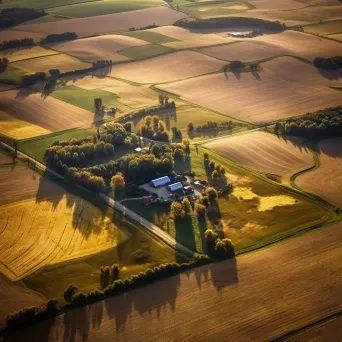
(321,124)
(59,37)
(14,16)
(211,125)
(328,62)
(11,44)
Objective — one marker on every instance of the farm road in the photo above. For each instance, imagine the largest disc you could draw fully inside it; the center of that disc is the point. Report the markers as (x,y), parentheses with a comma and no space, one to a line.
(119,207)
(258,296)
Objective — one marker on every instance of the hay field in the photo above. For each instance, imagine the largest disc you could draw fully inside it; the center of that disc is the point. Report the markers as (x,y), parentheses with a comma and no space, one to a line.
(265,153)
(127,94)
(49,113)
(110,22)
(14,55)
(285,43)
(238,298)
(188,39)
(326,181)
(19,129)
(171,67)
(97,48)
(42,224)
(286,87)
(60,61)
(325,28)
(17,34)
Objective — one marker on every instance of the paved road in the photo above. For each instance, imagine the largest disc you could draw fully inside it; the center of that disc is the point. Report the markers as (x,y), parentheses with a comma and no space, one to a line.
(255,297)
(117,206)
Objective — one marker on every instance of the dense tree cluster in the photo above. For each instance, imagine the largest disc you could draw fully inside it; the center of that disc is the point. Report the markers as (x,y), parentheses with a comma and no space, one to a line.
(86,179)
(219,248)
(59,37)
(321,124)
(3,64)
(14,16)
(328,62)
(154,128)
(28,80)
(117,182)
(176,133)
(224,22)
(181,210)
(11,44)
(211,125)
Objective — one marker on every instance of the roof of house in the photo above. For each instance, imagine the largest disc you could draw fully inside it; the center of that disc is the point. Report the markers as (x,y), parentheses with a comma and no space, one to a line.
(138,149)
(161,181)
(176,186)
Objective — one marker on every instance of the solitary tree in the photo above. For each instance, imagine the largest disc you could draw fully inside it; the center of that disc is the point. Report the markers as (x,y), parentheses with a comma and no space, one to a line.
(177,211)
(190,127)
(117,182)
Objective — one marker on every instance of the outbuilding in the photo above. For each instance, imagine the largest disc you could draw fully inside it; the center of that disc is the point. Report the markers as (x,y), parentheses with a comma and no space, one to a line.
(175,187)
(160,181)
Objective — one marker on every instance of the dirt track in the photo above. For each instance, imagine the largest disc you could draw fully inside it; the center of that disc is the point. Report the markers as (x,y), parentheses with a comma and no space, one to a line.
(258,297)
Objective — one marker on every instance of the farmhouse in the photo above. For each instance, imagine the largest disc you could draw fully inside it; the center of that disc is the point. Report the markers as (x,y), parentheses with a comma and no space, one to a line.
(160,181)
(175,187)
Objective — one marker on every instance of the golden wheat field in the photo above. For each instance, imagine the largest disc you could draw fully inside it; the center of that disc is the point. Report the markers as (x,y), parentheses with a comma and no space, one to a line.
(337,36)
(110,22)
(14,55)
(264,152)
(48,113)
(42,224)
(133,96)
(171,67)
(60,61)
(98,48)
(326,181)
(228,298)
(285,87)
(276,5)
(187,39)
(268,45)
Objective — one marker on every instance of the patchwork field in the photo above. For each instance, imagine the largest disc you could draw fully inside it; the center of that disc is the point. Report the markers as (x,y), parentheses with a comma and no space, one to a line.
(14,55)
(286,87)
(326,28)
(337,36)
(149,36)
(146,51)
(60,61)
(98,48)
(276,5)
(264,152)
(48,113)
(233,289)
(171,67)
(127,94)
(38,3)
(326,181)
(186,39)
(17,34)
(269,45)
(101,7)
(110,22)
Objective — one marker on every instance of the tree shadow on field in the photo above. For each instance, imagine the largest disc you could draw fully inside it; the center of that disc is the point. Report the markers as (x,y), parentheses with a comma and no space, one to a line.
(332,75)
(23,93)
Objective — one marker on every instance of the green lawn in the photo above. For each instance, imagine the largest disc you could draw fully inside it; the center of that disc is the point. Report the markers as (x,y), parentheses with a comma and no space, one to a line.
(149,36)
(104,7)
(145,51)
(256,213)
(85,98)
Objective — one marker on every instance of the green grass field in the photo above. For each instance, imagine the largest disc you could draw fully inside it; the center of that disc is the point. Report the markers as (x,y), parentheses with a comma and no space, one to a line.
(256,213)
(85,98)
(145,51)
(149,36)
(38,3)
(103,7)
(12,74)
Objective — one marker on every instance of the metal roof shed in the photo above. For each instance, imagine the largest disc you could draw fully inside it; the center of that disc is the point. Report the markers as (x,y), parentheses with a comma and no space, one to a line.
(160,181)
(175,186)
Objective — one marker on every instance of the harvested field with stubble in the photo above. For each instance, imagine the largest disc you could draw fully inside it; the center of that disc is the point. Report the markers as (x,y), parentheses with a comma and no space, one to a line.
(98,48)
(14,55)
(277,44)
(284,88)
(49,113)
(16,34)
(264,152)
(42,224)
(326,181)
(57,61)
(110,22)
(234,290)
(167,68)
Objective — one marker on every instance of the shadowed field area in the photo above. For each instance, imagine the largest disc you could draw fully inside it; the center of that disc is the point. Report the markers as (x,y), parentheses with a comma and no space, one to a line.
(228,298)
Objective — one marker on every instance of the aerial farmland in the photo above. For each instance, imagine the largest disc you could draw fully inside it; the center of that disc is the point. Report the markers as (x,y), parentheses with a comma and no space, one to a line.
(170,170)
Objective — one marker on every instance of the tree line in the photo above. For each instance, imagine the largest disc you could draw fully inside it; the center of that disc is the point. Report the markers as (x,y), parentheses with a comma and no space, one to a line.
(318,125)
(13,16)
(229,22)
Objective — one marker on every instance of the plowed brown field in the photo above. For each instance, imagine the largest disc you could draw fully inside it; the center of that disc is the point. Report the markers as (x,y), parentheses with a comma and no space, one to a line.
(286,87)
(171,67)
(98,48)
(326,181)
(12,35)
(110,22)
(264,152)
(257,297)
(49,113)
